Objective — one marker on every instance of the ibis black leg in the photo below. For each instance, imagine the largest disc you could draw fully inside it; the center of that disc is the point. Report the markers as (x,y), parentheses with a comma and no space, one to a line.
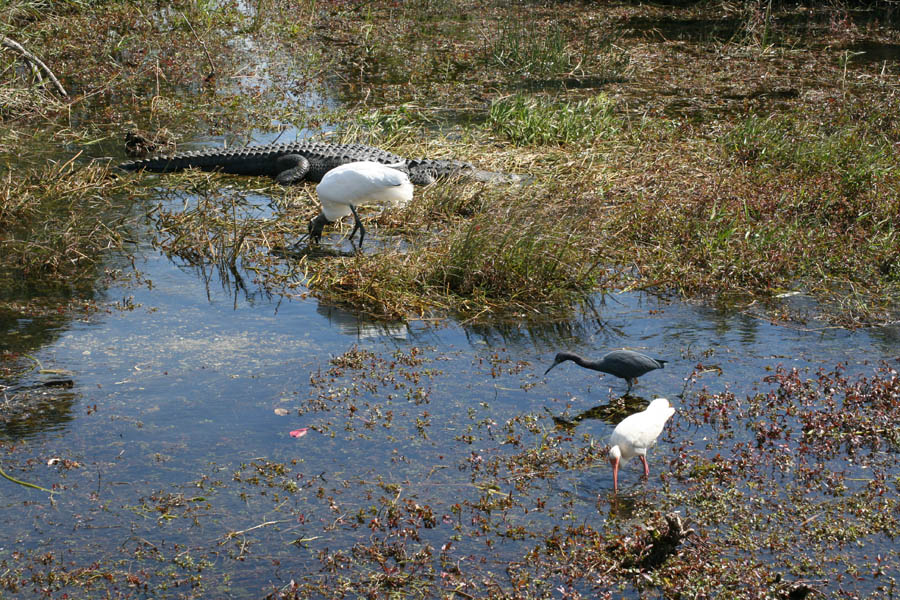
(357,225)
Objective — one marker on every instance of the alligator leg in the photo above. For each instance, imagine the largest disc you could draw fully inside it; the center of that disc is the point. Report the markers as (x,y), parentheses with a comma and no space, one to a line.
(292,168)
(357,225)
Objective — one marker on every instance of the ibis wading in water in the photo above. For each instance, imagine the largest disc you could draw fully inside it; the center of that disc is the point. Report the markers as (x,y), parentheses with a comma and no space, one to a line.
(625,364)
(348,186)
(636,434)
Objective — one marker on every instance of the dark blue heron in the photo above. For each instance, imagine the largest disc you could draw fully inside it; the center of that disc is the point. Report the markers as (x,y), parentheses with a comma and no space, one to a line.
(625,364)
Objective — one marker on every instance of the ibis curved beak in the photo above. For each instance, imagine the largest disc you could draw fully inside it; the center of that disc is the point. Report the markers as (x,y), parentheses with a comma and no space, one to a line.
(315,227)
(615,465)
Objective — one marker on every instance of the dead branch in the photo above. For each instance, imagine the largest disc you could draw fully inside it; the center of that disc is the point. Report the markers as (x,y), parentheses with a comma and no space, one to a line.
(33,60)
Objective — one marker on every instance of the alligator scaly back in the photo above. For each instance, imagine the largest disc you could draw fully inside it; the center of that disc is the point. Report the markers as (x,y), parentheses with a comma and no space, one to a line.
(272,159)
(309,161)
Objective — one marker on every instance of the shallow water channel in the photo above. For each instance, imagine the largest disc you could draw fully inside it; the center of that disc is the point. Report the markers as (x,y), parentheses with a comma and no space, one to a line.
(175,464)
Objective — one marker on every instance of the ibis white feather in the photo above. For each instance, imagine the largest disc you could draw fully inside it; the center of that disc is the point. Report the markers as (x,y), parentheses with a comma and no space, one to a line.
(636,434)
(349,186)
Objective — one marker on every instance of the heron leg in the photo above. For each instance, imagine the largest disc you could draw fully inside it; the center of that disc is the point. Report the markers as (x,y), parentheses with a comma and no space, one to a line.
(357,225)
(630,384)
(646,466)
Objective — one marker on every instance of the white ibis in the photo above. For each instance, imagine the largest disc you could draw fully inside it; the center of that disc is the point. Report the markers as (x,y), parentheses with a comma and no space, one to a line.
(636,434)
(626,364)
(348,186)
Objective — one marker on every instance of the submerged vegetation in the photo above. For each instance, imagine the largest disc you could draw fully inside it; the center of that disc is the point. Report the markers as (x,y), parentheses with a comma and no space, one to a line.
(736,152)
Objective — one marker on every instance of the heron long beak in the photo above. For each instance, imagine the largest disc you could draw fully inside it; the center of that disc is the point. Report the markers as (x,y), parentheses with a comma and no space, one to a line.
(556,362)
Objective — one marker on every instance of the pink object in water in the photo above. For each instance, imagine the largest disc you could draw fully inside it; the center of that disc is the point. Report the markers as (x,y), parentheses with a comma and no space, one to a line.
(299,432)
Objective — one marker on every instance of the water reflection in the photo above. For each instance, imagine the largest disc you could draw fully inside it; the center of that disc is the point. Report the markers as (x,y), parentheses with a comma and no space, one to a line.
(584,324)
(39,408)
(360,326)
(870,51)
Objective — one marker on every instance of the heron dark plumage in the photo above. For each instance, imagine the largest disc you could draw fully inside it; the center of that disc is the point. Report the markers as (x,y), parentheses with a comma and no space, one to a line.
(625,364)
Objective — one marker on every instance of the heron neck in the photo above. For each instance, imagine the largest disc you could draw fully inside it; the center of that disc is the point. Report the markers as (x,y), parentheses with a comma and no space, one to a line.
(581,362)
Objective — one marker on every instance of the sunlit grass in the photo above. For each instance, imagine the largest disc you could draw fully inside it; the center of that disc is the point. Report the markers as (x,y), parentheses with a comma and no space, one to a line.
(522,255)
(854,155)
(527,120)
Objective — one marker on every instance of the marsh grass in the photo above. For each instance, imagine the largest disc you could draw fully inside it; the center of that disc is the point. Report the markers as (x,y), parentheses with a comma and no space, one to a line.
(387,288)
(524,255)
(791,195)
(531,48)
(469,249)
(58,223)
(782,203)
(779,204)
(538,50)
(527,120)
(854,154)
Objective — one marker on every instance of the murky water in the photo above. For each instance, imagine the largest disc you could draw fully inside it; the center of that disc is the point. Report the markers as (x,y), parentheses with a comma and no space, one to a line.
(174,411)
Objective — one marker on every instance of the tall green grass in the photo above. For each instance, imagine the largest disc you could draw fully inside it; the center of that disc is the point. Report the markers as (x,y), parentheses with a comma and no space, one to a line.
(528,49)
(855,153)
(530,121)
(838,168)
(524,255)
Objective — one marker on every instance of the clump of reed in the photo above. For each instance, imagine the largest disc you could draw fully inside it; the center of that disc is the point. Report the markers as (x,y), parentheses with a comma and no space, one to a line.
(535,49)
(522,254)
(495,249)
(521,47)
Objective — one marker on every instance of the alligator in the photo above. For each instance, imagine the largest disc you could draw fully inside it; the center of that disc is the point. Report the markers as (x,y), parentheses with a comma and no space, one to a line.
(309,161)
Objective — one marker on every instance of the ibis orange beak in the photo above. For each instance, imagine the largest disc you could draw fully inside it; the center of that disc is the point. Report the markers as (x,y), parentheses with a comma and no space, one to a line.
(615,465)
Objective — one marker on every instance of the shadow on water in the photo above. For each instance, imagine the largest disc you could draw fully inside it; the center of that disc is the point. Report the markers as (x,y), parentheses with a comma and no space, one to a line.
(34,400)
(700,30)
(869,51)
(611,414)
(361,327)
(686,29)
(28,411)
(569,83)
